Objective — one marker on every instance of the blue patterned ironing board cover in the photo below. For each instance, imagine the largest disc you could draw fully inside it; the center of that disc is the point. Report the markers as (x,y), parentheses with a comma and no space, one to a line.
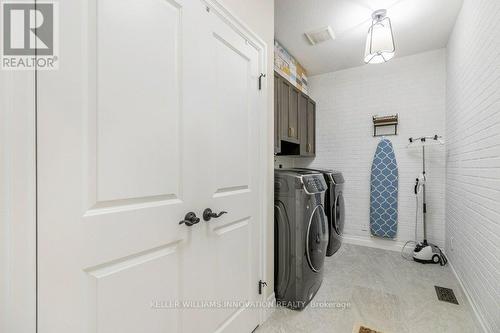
(384,191)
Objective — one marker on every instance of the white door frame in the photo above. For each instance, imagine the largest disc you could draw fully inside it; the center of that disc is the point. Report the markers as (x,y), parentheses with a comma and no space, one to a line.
(17,202)
(18,185)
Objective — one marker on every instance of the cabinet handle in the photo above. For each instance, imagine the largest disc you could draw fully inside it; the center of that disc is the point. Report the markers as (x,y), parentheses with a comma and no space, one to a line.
(308,148)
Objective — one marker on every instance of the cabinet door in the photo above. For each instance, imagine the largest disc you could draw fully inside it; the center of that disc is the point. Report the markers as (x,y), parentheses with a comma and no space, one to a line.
(293,116)
(277,115)
(284,105)
(311,128)
(303,133)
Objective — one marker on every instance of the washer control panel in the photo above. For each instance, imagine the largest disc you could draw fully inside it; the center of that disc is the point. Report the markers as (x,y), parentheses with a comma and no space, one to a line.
(314,183)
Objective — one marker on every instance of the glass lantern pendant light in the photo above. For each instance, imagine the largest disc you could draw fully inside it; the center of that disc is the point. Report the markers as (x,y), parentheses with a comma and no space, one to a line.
(380,40)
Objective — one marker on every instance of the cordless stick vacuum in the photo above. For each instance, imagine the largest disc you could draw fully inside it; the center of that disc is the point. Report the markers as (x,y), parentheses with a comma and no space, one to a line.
(424,251)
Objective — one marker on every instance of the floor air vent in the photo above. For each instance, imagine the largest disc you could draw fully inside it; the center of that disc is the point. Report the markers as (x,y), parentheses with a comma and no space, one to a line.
(446,295)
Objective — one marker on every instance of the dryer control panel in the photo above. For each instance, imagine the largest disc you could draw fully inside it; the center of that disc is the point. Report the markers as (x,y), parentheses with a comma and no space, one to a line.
(314,183)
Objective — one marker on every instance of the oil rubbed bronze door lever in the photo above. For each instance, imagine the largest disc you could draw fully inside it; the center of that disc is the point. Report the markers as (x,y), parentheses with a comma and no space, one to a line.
(190,219)
(208,214)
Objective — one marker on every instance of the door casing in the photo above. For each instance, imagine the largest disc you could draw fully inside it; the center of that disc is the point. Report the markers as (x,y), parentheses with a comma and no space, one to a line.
(17,201)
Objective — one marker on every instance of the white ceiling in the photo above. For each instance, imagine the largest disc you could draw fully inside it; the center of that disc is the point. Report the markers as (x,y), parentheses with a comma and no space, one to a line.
(418,25)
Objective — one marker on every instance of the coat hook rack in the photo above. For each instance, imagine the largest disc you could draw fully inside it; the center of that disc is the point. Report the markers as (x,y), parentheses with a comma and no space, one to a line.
(383,121)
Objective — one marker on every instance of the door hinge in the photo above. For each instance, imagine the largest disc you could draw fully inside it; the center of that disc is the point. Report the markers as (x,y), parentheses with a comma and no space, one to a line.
(261,284)
(260,80)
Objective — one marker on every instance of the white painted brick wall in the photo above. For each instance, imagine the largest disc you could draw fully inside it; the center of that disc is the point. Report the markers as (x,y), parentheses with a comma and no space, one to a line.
(412,86)
(473,155)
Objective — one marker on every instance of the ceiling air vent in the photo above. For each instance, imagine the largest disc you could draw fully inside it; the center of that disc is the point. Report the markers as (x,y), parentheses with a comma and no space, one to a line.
(320,35)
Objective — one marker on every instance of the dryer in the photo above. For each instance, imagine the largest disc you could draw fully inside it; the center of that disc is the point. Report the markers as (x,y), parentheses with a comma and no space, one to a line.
(334,207)
(301,235)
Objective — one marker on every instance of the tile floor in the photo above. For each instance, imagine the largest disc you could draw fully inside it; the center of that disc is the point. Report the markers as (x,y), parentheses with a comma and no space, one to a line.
(385,292)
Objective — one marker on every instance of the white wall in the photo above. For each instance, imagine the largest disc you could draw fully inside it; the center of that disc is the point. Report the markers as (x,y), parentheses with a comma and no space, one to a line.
(473,156)
(412,86)
(258,15)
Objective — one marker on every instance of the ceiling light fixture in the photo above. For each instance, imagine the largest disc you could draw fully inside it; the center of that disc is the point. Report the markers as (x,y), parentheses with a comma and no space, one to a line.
(380,40)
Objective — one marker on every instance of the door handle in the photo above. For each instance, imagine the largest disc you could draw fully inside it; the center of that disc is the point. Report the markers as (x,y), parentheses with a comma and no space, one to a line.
(190,219)
(208,214)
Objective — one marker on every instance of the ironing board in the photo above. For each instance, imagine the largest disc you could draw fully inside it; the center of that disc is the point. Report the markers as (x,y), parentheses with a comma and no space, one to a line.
(384,191)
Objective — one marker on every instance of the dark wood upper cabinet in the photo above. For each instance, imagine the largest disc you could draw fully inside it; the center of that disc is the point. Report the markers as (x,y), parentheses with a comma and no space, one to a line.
(277,118)
(295,120)
(303,100)
(311,128)
(293,116)
(284,105)
(288,111)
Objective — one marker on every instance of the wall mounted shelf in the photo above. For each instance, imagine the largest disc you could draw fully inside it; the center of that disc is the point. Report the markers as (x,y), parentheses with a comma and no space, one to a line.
(384,121)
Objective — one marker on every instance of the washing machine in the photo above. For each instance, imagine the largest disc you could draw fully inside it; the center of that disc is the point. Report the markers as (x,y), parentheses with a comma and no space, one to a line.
(334,207)
(301,235)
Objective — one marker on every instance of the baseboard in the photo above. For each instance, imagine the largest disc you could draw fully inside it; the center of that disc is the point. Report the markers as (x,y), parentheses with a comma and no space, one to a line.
(379,243)
(477,315)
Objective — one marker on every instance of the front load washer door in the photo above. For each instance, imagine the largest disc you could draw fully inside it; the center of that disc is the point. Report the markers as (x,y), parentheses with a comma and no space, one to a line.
(317,239)
(338,214)
(282,253)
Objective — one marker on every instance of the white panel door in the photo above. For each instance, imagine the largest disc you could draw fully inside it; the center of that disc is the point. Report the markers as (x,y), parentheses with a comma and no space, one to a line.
(230,178)
(152,114)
